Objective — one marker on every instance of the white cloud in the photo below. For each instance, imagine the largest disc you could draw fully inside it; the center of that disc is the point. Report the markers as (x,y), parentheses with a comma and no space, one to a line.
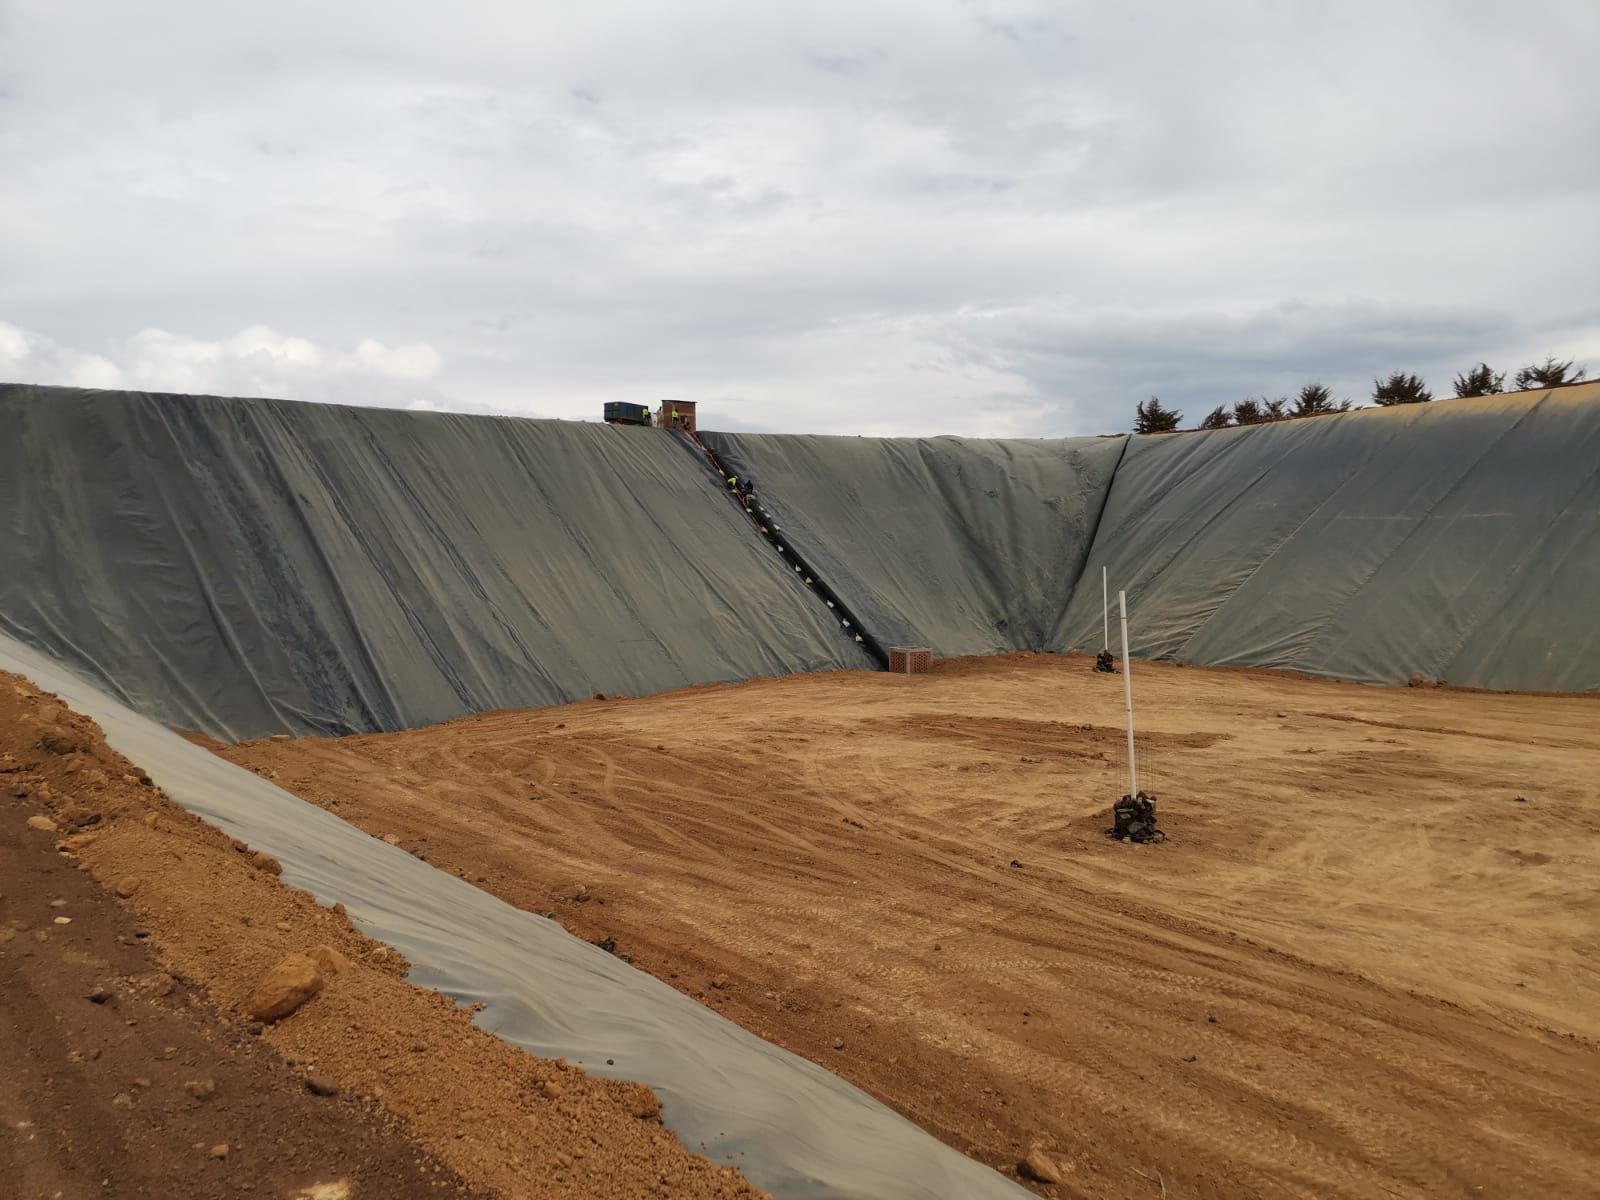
(954,215)
(256,361)
(26,357)
(420,361)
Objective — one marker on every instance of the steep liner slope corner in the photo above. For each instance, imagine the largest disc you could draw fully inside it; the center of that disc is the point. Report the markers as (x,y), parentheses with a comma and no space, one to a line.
(244,567)
(967,545)
(1451,541)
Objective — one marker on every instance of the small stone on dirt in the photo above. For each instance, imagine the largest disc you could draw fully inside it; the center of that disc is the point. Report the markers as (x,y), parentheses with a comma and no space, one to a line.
(42,823)
(720,982)
(1038,1167)
(329,961)
(645,1106)
(128,885)
(838,1043)
(551,1090)
(220,1150)
(201,1089)
(101,995)
(321,1085)
(61,743)
(285,988)
(265,862)
(392,839)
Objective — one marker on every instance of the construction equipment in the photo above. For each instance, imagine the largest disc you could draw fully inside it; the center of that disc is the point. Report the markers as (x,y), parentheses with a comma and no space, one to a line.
(620,412)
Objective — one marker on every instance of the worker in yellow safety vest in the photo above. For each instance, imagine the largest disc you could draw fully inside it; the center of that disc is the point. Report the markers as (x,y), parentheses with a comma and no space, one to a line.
(675,421)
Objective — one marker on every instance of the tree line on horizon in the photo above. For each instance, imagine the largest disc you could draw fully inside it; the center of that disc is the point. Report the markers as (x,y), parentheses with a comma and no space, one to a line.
(1400,387)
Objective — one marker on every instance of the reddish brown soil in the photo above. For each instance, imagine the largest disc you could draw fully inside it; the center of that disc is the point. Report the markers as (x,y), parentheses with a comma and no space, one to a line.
(96,1091)
(1359,968)
(93,1098)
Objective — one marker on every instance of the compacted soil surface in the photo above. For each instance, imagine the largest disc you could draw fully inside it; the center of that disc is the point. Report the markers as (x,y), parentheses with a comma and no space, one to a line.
(1363,965)
(134,941)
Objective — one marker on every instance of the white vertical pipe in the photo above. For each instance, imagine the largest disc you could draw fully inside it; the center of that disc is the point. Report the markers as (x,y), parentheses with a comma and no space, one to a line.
(1127,694)
(1105,610)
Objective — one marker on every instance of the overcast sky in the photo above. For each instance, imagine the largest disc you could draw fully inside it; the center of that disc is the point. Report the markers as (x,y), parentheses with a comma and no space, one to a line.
(916,217)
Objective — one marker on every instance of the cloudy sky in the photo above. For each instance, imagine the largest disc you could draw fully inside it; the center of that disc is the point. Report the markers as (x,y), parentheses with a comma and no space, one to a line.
(882,216)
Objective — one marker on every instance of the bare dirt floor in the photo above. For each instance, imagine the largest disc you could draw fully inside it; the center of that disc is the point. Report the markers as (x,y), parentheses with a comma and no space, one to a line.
(1363,965)
(134,941)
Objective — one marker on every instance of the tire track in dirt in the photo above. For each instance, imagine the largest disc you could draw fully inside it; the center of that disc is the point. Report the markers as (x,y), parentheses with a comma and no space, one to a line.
(837,850)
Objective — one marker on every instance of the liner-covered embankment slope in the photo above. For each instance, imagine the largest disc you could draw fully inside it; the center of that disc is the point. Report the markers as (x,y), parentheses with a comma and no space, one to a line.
(968,545)
(243,567)
(1458,540)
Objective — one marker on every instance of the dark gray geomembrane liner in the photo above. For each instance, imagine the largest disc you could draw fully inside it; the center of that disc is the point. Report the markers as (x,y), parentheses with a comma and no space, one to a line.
(967,545)
(1456,541)
(793,1128)
(246,567)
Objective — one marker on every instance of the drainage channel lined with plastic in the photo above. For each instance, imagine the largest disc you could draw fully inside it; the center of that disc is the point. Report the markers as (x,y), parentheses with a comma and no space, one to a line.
(790,1126)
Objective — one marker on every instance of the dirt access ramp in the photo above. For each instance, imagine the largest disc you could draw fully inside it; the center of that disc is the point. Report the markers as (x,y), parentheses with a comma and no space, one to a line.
(1359,968)
(132,1058)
